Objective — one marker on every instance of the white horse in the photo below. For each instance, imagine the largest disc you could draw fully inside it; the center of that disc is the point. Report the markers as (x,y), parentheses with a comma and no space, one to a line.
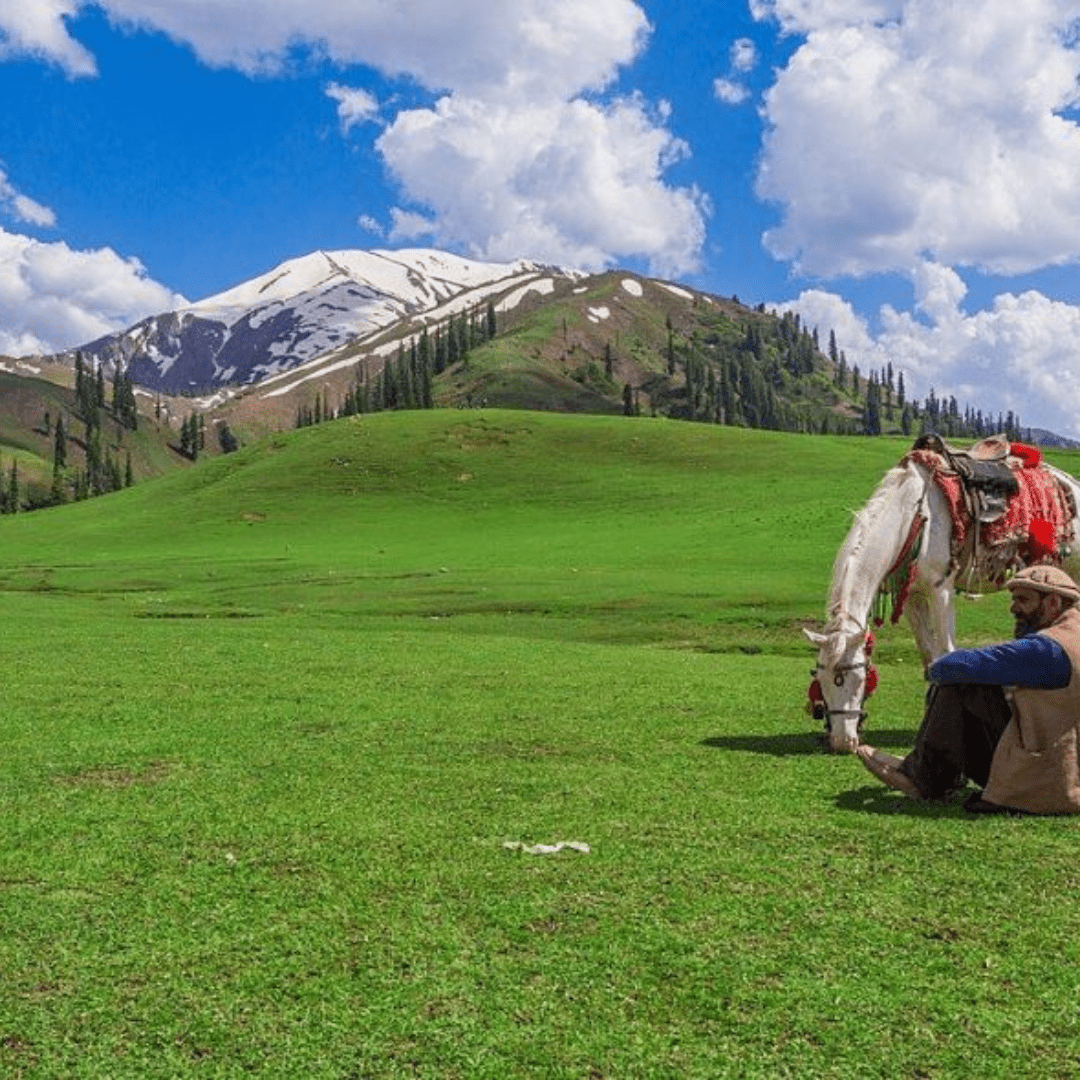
(869,553)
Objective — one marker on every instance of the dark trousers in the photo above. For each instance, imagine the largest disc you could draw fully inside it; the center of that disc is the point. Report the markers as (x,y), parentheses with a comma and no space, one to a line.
(956,741)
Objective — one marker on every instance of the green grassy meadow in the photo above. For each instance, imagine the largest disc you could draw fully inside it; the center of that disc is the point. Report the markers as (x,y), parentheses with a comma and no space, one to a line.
(270,723)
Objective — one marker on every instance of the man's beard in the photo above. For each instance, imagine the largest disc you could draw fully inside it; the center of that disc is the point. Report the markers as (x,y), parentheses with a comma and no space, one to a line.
(1035,622)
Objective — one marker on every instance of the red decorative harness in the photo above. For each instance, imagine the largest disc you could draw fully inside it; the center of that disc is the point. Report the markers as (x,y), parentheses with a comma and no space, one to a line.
(896,585)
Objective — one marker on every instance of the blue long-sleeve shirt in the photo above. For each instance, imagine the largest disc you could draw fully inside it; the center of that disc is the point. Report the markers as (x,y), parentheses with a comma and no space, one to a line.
(1035,661)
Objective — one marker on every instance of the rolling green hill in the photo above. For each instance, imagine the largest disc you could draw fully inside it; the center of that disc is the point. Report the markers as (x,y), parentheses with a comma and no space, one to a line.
(607,517)
(370,490)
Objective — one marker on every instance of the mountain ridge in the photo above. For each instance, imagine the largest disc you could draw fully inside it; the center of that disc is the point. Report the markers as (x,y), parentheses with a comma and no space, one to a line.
(301,310)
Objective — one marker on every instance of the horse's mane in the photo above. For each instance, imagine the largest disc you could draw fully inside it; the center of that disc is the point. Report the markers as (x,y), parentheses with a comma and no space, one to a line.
(852,554)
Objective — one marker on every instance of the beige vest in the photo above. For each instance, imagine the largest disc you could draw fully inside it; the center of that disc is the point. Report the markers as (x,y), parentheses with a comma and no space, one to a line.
(1035,766)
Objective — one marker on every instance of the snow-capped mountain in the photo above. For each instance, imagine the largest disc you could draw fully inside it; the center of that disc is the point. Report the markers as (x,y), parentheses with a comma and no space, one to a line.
(308,311)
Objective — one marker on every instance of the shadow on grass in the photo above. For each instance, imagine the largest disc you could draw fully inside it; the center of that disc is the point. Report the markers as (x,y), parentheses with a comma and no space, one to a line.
(795,744)
(877,799)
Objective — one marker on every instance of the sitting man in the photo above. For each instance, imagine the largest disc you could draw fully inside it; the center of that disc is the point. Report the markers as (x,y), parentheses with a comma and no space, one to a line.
(1004,716)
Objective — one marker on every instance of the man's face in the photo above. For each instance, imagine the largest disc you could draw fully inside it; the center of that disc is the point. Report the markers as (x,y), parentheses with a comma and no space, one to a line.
(1033,610)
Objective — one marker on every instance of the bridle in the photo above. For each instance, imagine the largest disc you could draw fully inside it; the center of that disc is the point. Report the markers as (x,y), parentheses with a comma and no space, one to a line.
(817,706)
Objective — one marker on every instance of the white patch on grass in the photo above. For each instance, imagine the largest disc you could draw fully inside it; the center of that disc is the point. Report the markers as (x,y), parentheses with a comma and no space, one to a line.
(547,849)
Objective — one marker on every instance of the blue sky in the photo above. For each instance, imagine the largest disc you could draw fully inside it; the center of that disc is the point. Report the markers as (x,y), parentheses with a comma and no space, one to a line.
(900,171)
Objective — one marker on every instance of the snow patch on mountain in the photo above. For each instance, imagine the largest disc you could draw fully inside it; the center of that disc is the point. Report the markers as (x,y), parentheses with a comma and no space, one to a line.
(682,294)
(543,286)
(307,311)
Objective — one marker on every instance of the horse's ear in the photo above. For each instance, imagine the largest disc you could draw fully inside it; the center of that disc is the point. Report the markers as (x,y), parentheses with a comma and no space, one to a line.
(815,638)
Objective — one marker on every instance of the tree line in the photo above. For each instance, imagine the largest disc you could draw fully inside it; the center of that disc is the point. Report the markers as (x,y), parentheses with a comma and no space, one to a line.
(772,373)
(407,380)
(100,470)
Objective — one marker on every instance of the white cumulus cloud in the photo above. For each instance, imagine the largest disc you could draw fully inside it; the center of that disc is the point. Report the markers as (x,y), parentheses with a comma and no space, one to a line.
(730,92)
(902,131)
(53,298)
(36,28)
(744,55)
(355,106)
(932,139)
(22,207)
(568,182)
(371,225)
(506,75)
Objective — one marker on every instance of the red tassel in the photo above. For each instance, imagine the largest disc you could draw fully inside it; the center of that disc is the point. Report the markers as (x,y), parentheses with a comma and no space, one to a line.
(1030,456)
(1042,543)
(815,692)
(871,680)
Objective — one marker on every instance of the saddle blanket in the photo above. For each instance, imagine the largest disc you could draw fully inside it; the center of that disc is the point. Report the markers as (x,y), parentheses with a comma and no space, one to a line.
(1040,499)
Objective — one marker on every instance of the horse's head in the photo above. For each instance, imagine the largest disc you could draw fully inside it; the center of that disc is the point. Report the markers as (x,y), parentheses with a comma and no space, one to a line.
(843,679)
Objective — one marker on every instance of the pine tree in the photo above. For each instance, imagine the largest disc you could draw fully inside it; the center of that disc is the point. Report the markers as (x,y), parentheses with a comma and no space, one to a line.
(59,447)
(125,406)
(872,409)
(95,465)
(80,378)
(425,389)
(227,440)
(57,492)
(13,488)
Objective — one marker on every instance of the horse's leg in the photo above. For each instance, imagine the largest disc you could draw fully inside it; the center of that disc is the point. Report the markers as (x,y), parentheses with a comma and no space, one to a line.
(931,611)
(932,616)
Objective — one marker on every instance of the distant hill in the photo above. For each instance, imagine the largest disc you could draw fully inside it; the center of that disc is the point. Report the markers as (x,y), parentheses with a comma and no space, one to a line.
(306,334)
(35,396)
(1042,437)
(334,333)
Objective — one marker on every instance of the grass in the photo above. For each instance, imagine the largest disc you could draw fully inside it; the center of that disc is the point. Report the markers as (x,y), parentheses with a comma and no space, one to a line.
(269,724)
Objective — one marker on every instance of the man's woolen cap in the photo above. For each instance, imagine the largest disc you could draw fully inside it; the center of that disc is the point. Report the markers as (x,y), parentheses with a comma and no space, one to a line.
(1047,579)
